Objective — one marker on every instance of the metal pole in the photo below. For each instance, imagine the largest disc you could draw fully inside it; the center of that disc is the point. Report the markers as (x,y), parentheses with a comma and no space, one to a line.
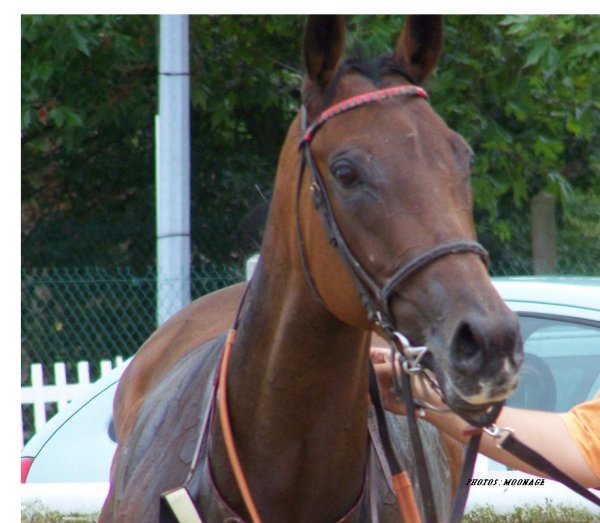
(173,168)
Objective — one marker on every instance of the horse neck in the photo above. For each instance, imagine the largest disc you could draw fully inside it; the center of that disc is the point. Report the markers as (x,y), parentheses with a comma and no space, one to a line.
(297,391)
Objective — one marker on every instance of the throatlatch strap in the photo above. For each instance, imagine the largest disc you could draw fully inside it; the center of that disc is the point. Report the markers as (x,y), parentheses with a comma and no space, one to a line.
(177,506)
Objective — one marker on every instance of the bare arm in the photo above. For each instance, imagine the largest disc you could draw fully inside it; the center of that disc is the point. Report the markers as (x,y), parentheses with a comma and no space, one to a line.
(544,432)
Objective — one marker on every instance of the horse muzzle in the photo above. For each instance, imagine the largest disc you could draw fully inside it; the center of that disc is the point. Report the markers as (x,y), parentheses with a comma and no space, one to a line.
(480,367)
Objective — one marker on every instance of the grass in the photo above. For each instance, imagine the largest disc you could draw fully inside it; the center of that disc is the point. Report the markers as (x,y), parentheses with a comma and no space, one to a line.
(36,512)
(548,513)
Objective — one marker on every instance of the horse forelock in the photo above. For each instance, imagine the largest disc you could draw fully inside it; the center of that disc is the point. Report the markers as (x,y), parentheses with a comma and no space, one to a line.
(376,69)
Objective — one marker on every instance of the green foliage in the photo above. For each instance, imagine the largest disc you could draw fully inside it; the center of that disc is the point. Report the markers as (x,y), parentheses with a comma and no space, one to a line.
(88,98)
(245,91)
(522,90)
(88,103)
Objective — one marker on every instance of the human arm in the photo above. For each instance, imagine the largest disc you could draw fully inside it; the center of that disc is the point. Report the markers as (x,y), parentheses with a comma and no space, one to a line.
(545,432)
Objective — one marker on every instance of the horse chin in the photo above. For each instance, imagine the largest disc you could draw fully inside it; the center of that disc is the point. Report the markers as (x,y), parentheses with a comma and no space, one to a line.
(479,413)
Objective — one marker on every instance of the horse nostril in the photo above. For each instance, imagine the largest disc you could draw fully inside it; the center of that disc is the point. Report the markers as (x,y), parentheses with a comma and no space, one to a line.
(467,349)
(484,357)
(483,346)
(467,345)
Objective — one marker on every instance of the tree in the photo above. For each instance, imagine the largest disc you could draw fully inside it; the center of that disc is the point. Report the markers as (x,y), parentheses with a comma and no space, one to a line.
(522,90)
(88,91)
(88,104)
(529,106)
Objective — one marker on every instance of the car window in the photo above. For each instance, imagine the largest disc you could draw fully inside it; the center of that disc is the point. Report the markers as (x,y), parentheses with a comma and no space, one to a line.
(562,363)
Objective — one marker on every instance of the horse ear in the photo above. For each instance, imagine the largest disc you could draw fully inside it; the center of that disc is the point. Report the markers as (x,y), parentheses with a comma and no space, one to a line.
(420,45)
(324,39)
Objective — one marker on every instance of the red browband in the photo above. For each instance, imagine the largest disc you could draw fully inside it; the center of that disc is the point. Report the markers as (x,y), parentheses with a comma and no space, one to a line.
(362,99)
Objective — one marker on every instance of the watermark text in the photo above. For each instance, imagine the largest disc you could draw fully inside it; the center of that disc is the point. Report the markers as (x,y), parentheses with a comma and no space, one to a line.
(506,482)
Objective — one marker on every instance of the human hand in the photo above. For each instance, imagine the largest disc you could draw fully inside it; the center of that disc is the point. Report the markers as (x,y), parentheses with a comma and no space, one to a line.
(382,362)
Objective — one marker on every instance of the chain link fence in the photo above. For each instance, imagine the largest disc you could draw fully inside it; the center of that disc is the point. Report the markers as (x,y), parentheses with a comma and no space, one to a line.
(73,314)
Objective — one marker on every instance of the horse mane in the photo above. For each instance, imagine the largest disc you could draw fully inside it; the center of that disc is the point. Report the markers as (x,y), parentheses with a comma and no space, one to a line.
(375,69)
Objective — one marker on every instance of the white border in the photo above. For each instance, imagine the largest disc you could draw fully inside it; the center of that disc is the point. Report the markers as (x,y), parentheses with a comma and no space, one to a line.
(308,7)
(10,208)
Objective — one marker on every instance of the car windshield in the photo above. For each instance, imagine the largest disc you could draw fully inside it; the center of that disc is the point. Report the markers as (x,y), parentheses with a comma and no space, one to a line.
(562,363)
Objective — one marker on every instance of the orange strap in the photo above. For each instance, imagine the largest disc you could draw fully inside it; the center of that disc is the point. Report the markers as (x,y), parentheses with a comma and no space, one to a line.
(234,459)
(406,498)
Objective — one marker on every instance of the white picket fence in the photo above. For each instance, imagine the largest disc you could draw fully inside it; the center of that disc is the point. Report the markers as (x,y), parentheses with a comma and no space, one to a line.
(61,392)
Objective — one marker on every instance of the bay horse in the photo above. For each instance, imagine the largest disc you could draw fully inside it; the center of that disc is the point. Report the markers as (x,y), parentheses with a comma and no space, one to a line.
(370,228)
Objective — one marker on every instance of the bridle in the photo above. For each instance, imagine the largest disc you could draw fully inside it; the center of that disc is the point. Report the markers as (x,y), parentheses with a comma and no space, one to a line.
(376,297)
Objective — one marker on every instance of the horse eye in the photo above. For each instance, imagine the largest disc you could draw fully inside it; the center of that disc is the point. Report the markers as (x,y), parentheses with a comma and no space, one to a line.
(346,175)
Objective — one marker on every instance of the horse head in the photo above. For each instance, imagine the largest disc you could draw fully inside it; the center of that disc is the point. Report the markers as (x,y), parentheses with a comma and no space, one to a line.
(394,217)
